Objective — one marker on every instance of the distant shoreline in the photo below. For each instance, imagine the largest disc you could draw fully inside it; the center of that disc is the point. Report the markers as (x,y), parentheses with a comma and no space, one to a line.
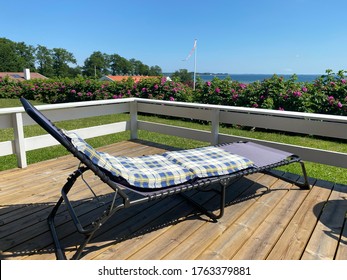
(250,78)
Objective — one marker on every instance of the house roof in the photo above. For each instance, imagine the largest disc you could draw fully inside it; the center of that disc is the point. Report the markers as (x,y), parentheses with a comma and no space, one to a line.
(121,78)
(19,76)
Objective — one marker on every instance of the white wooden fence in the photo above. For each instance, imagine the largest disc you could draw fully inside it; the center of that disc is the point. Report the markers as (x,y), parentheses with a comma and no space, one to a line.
(302,123)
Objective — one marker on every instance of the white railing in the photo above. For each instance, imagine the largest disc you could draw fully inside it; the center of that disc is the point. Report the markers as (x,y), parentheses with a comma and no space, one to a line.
(303,123)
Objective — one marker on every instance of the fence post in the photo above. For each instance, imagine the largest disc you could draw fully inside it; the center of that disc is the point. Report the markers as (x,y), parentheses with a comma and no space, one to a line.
(214,126)
(19,141)
(133,120)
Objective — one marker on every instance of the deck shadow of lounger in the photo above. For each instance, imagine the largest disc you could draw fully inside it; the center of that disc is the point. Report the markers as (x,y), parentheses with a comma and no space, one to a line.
(24,230)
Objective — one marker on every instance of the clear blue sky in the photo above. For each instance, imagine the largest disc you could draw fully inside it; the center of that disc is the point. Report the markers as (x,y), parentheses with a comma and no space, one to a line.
(234,36)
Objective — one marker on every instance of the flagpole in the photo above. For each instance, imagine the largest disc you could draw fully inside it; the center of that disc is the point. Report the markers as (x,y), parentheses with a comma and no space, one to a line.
(196,47)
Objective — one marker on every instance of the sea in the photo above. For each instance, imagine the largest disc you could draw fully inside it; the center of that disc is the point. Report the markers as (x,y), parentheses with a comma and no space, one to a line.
(250,78)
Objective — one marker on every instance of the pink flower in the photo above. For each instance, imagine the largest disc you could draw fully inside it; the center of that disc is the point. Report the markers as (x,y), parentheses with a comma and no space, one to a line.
(208,84)
(243,86)
(339,105)
(281,109)
(332,83)
(343,81)
(304,89)
(144,89)
(297,93)
(171,98)
(217,90)
(156,87)
(73,91)
(255,105)
(331,100)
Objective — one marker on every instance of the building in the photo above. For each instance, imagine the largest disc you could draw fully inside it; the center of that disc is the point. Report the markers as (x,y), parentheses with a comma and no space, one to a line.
(22,76)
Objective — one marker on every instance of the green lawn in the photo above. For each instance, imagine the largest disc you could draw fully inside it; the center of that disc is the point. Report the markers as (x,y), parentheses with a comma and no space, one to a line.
(320,171)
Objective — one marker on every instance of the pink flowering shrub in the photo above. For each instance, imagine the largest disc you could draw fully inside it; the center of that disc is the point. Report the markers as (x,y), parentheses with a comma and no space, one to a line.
(326,95)
(73,90)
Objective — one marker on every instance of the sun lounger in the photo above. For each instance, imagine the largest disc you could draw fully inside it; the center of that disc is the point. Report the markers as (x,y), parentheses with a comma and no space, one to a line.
(158,176)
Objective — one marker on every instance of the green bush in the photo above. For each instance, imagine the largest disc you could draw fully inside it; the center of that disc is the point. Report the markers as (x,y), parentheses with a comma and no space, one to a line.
(326,95)
(79,89)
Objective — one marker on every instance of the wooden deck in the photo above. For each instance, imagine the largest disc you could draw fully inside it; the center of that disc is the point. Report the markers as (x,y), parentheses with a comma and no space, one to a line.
(266,218)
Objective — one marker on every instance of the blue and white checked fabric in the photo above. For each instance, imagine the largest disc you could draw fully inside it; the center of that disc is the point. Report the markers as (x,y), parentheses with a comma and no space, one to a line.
(209,161)
(168,169)
(153,171)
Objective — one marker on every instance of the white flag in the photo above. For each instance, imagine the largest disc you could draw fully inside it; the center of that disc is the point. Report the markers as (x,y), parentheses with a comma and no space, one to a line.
(191,52)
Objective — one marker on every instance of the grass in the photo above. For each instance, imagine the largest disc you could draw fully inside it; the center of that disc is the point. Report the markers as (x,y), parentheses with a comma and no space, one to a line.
(7,103)
(320,171)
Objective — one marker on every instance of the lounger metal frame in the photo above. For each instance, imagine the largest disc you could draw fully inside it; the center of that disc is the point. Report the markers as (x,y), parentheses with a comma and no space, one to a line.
(119,188)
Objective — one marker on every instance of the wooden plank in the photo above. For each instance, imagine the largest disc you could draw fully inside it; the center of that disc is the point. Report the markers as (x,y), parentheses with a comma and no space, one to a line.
(128,247)
(7,148)
(226,246)
(324,241)
(141,216)
(175,111)
(157,231)
(139,148)
(63,114)
(305,126)
(266,235)
(292,243)
(173,237)
(200,243)
(46,140)
(152,242)
(189,133)
(341,253)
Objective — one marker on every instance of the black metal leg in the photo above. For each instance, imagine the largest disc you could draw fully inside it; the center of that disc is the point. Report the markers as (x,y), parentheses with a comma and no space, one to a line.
(204,210)
(303,185)
(67,187)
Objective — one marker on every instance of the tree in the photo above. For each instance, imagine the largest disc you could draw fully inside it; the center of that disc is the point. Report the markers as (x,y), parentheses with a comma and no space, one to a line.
(44,59)
(155,71)
(26,56)
(96,65)
(120,65)
(61,60)
(183,76)
(14,57)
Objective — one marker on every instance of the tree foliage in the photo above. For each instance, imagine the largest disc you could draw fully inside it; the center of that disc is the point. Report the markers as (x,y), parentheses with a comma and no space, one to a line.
(59,62)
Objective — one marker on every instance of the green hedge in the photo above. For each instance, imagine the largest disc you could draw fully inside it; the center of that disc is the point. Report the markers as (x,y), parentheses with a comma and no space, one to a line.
(72,90)
(326,95)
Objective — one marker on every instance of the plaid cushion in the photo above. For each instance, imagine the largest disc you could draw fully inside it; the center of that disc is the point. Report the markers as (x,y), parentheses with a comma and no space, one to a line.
(209,161)
(153,171)
(168,169)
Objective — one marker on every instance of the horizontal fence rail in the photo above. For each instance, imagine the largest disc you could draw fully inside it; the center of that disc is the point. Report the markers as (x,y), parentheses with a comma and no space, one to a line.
(16,118)
(301,123)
